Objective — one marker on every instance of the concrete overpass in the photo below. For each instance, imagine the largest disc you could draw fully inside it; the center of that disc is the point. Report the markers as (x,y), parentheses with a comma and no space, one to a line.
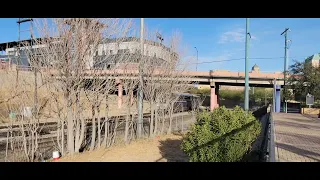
(213,78)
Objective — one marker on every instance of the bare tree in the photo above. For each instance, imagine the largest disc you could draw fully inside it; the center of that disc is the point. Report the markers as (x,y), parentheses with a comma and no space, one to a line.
(79,74)
(70,53)
(164,82)
(129,83)
(24,117)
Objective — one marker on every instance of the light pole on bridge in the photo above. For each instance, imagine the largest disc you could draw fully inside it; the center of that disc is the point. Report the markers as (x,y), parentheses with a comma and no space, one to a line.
(246,94)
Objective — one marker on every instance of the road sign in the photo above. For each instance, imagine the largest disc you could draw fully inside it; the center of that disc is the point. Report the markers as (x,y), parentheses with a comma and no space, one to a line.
(309,100)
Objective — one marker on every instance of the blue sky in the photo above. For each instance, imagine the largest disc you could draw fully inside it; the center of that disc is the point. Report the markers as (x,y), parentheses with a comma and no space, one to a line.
(223,39)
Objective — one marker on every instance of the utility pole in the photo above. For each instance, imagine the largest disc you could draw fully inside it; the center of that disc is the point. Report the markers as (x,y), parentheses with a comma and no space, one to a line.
(197,59)
(246,94)
(35,68)
(285,33)
(140,93)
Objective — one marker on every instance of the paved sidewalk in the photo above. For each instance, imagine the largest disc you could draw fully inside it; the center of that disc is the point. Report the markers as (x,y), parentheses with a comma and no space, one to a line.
(297,137)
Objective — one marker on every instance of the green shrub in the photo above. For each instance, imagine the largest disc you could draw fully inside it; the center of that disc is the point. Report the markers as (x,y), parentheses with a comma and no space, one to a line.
(221,136)
(200,91)
(234,95)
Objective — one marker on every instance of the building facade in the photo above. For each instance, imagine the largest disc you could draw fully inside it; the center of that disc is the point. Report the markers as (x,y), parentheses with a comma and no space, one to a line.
(109,52)
(314,60)
(128,50)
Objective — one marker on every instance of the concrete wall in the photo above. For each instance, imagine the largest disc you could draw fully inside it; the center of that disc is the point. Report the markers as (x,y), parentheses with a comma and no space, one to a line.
(310,110)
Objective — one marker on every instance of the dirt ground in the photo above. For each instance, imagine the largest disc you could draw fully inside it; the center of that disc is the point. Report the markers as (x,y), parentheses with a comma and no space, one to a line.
(160,149)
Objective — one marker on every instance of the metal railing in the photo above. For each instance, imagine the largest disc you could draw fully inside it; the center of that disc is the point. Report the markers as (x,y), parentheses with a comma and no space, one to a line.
(270,150)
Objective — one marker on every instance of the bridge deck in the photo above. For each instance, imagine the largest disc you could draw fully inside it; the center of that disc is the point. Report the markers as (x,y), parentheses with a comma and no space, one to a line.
(297,137)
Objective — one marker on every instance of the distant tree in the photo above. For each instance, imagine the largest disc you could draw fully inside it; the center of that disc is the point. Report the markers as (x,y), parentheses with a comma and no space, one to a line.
(304,78)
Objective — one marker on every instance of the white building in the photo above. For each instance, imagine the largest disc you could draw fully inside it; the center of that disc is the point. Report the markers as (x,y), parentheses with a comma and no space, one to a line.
(109,51)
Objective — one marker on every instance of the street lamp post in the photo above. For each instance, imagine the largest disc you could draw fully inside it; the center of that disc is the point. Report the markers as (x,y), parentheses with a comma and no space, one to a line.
(246,94)
(140,91)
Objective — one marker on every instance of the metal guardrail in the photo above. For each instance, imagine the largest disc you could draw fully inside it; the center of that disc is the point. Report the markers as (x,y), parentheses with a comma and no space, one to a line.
(270,154)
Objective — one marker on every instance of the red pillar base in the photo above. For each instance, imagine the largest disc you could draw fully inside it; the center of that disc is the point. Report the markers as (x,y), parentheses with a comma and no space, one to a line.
(213,98)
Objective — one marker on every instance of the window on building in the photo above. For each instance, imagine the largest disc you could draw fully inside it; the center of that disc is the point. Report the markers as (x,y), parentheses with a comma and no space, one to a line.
(123,51)
(111,52)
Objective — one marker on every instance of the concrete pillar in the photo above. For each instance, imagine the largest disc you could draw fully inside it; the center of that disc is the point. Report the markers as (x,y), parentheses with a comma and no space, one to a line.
(217,95)
(120,91)
(278,98)
(213,96)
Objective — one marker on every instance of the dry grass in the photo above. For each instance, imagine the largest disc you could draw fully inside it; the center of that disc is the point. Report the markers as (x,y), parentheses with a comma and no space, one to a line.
(160,149)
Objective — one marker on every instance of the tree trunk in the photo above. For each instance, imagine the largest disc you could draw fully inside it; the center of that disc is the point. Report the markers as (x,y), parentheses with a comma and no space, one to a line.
(156,121)
(58,134)
(106,132)
(93,124)
(151,119)
(76,148)
(62,140)
(70,134)
(115,131)
(132,127)
(70,124)
(170,116)
(126,132)
(106,122)
(24,141)
(83,128)
(80,127)
(99,126)
(163,120)
(77,121)
(32,146)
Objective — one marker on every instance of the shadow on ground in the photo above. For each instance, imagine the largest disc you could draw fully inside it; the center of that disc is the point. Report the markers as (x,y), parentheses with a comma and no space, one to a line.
(171,152)
(300,139)
(306,153)
(297,124)
(313,117)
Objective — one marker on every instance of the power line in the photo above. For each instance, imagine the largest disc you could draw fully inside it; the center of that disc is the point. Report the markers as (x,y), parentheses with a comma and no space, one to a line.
(237,59)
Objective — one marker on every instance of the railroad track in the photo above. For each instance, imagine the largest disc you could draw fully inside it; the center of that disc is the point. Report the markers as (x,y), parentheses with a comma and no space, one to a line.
(49,129)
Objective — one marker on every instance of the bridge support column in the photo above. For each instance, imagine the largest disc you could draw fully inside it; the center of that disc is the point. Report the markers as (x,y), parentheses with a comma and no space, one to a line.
(278,98)
(214,99)
(120,91)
